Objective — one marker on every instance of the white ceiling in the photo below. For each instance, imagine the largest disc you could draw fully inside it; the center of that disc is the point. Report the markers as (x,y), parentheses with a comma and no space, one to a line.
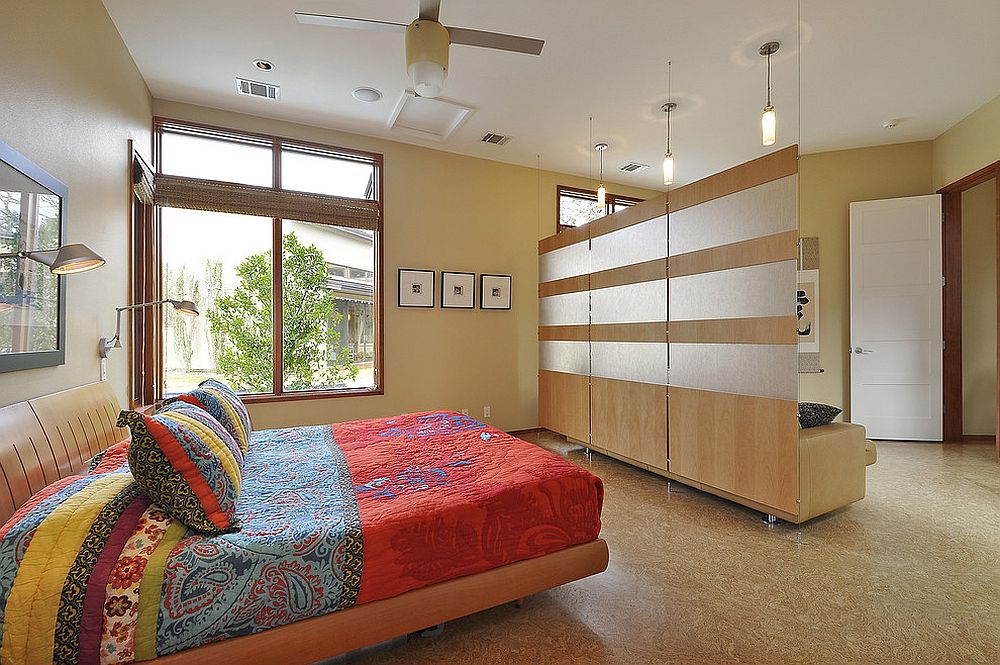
(863,61)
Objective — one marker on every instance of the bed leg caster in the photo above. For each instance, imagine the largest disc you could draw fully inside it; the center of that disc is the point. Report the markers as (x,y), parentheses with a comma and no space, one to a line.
(519,603)
(433,631)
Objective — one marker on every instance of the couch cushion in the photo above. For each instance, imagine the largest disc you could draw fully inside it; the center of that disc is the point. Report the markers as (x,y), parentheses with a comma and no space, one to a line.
(831,468)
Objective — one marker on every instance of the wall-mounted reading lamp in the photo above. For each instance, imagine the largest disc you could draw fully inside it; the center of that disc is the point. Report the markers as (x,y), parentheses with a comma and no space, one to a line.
(185,307)
(66,260)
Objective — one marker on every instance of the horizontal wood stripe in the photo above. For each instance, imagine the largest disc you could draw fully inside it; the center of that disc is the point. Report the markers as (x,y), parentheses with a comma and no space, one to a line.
(640,212)
(566,285)
(749,174)
(608,332)
(564,239)
(629,332)
(767,249)
(647,271)
(579,333)
(755,330)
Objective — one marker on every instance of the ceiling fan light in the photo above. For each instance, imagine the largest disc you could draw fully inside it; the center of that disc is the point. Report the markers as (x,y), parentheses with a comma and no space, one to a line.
(428,78)
(427,45)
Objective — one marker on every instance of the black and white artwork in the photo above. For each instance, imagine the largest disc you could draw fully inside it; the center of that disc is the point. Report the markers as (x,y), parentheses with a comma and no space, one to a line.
(416,288)
(494,291)
(458,290)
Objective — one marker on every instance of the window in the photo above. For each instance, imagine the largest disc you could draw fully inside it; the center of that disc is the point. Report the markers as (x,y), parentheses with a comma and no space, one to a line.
(576,207)
(278,242)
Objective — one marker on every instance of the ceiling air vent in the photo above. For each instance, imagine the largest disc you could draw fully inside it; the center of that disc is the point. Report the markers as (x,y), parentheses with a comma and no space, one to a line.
(634,167)
(257,89)
(494,138)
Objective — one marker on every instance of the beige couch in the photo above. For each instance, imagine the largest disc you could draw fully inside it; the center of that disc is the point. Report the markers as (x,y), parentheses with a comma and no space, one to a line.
(832,467)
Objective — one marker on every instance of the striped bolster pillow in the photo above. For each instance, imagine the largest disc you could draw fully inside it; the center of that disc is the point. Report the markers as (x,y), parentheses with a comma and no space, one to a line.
(223,404)
(188,464)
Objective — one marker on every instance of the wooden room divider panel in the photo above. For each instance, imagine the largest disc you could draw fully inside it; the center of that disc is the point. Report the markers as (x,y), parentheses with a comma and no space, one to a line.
(563,333)
(628,334)
(668,338)
(733,352)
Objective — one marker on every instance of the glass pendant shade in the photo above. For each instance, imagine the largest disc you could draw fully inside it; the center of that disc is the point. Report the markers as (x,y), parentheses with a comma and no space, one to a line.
(768,124)
(668,169)
(601,192)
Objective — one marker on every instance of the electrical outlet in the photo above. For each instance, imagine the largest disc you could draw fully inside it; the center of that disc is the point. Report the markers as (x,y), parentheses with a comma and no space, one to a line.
(465,412)
(104,369)
(487,411)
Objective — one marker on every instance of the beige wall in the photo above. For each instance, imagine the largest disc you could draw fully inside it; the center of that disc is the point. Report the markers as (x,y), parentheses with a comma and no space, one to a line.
(979,309)
(828,183)
(71,99)
(968,146)
(443,212)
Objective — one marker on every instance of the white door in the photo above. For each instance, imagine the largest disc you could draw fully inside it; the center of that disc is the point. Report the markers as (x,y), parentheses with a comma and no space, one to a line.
(896,335)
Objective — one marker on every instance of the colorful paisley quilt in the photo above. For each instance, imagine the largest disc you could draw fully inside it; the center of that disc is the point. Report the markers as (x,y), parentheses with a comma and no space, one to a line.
(92,572)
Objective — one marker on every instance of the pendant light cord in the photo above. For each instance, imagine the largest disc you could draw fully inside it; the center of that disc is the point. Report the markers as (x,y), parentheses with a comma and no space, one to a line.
(670,98)
(590,153)
(768,77)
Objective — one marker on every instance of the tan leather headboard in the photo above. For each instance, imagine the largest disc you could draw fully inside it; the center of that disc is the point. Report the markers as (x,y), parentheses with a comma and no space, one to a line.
(51,437)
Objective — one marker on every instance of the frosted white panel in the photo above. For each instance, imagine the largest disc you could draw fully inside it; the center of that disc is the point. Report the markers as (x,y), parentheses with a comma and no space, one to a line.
(763,370)
(633,244)
(763,290)
(759,211)
(568,261)
(630,303)
(630,361)
(565,309)
(570,357)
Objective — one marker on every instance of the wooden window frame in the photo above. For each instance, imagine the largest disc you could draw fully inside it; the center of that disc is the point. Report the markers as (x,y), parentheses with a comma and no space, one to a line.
(609,202)
(146,262)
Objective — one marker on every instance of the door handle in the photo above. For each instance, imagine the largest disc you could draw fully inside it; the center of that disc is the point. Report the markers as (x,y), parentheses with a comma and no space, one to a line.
(858,350)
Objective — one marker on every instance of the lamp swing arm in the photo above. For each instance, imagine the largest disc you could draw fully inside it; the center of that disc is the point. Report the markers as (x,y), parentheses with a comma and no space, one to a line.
(185,307)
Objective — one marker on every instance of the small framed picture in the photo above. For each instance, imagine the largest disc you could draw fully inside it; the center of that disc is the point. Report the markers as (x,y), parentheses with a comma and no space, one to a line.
(416,288)
(494,291)
(458,290)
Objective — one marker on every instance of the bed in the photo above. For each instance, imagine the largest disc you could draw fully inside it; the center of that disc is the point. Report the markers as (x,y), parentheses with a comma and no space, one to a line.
(352,534)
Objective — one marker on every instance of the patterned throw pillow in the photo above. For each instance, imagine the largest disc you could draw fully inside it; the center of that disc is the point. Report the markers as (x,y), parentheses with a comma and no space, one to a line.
(222,404)
(812,414)
(188,464)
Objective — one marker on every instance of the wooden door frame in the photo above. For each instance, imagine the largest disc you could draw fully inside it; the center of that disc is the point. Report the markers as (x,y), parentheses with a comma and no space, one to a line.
(951,206)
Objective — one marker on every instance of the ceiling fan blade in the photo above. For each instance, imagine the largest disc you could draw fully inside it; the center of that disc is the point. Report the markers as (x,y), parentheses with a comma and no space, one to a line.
(347,22)
(495,40)
(429,9)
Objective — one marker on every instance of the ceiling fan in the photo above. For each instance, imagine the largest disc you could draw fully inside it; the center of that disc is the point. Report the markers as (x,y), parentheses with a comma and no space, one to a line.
(427,42)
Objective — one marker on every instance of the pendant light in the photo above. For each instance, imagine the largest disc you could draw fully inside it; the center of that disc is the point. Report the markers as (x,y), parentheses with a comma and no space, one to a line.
(768,121)
(668,157)
(601,190)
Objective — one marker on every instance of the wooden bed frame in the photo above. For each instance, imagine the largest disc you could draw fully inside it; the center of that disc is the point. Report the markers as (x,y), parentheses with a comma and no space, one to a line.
(54,436)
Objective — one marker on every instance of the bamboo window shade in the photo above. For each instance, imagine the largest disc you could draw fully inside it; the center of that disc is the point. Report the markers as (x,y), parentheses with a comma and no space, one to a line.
(142,181)
(215,196)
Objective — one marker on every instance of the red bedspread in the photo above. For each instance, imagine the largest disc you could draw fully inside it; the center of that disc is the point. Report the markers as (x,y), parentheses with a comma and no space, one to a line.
(441,495)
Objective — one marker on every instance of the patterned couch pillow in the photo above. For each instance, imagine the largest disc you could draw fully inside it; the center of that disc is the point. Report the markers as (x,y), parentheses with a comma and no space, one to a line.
(812,414)
(223,404)
(188,464)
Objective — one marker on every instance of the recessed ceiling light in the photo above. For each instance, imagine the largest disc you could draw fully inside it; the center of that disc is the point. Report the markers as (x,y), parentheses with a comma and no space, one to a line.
(364,94)
(263,65)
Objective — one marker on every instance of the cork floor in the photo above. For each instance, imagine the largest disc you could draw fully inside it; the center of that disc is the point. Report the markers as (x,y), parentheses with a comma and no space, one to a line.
(910,574)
